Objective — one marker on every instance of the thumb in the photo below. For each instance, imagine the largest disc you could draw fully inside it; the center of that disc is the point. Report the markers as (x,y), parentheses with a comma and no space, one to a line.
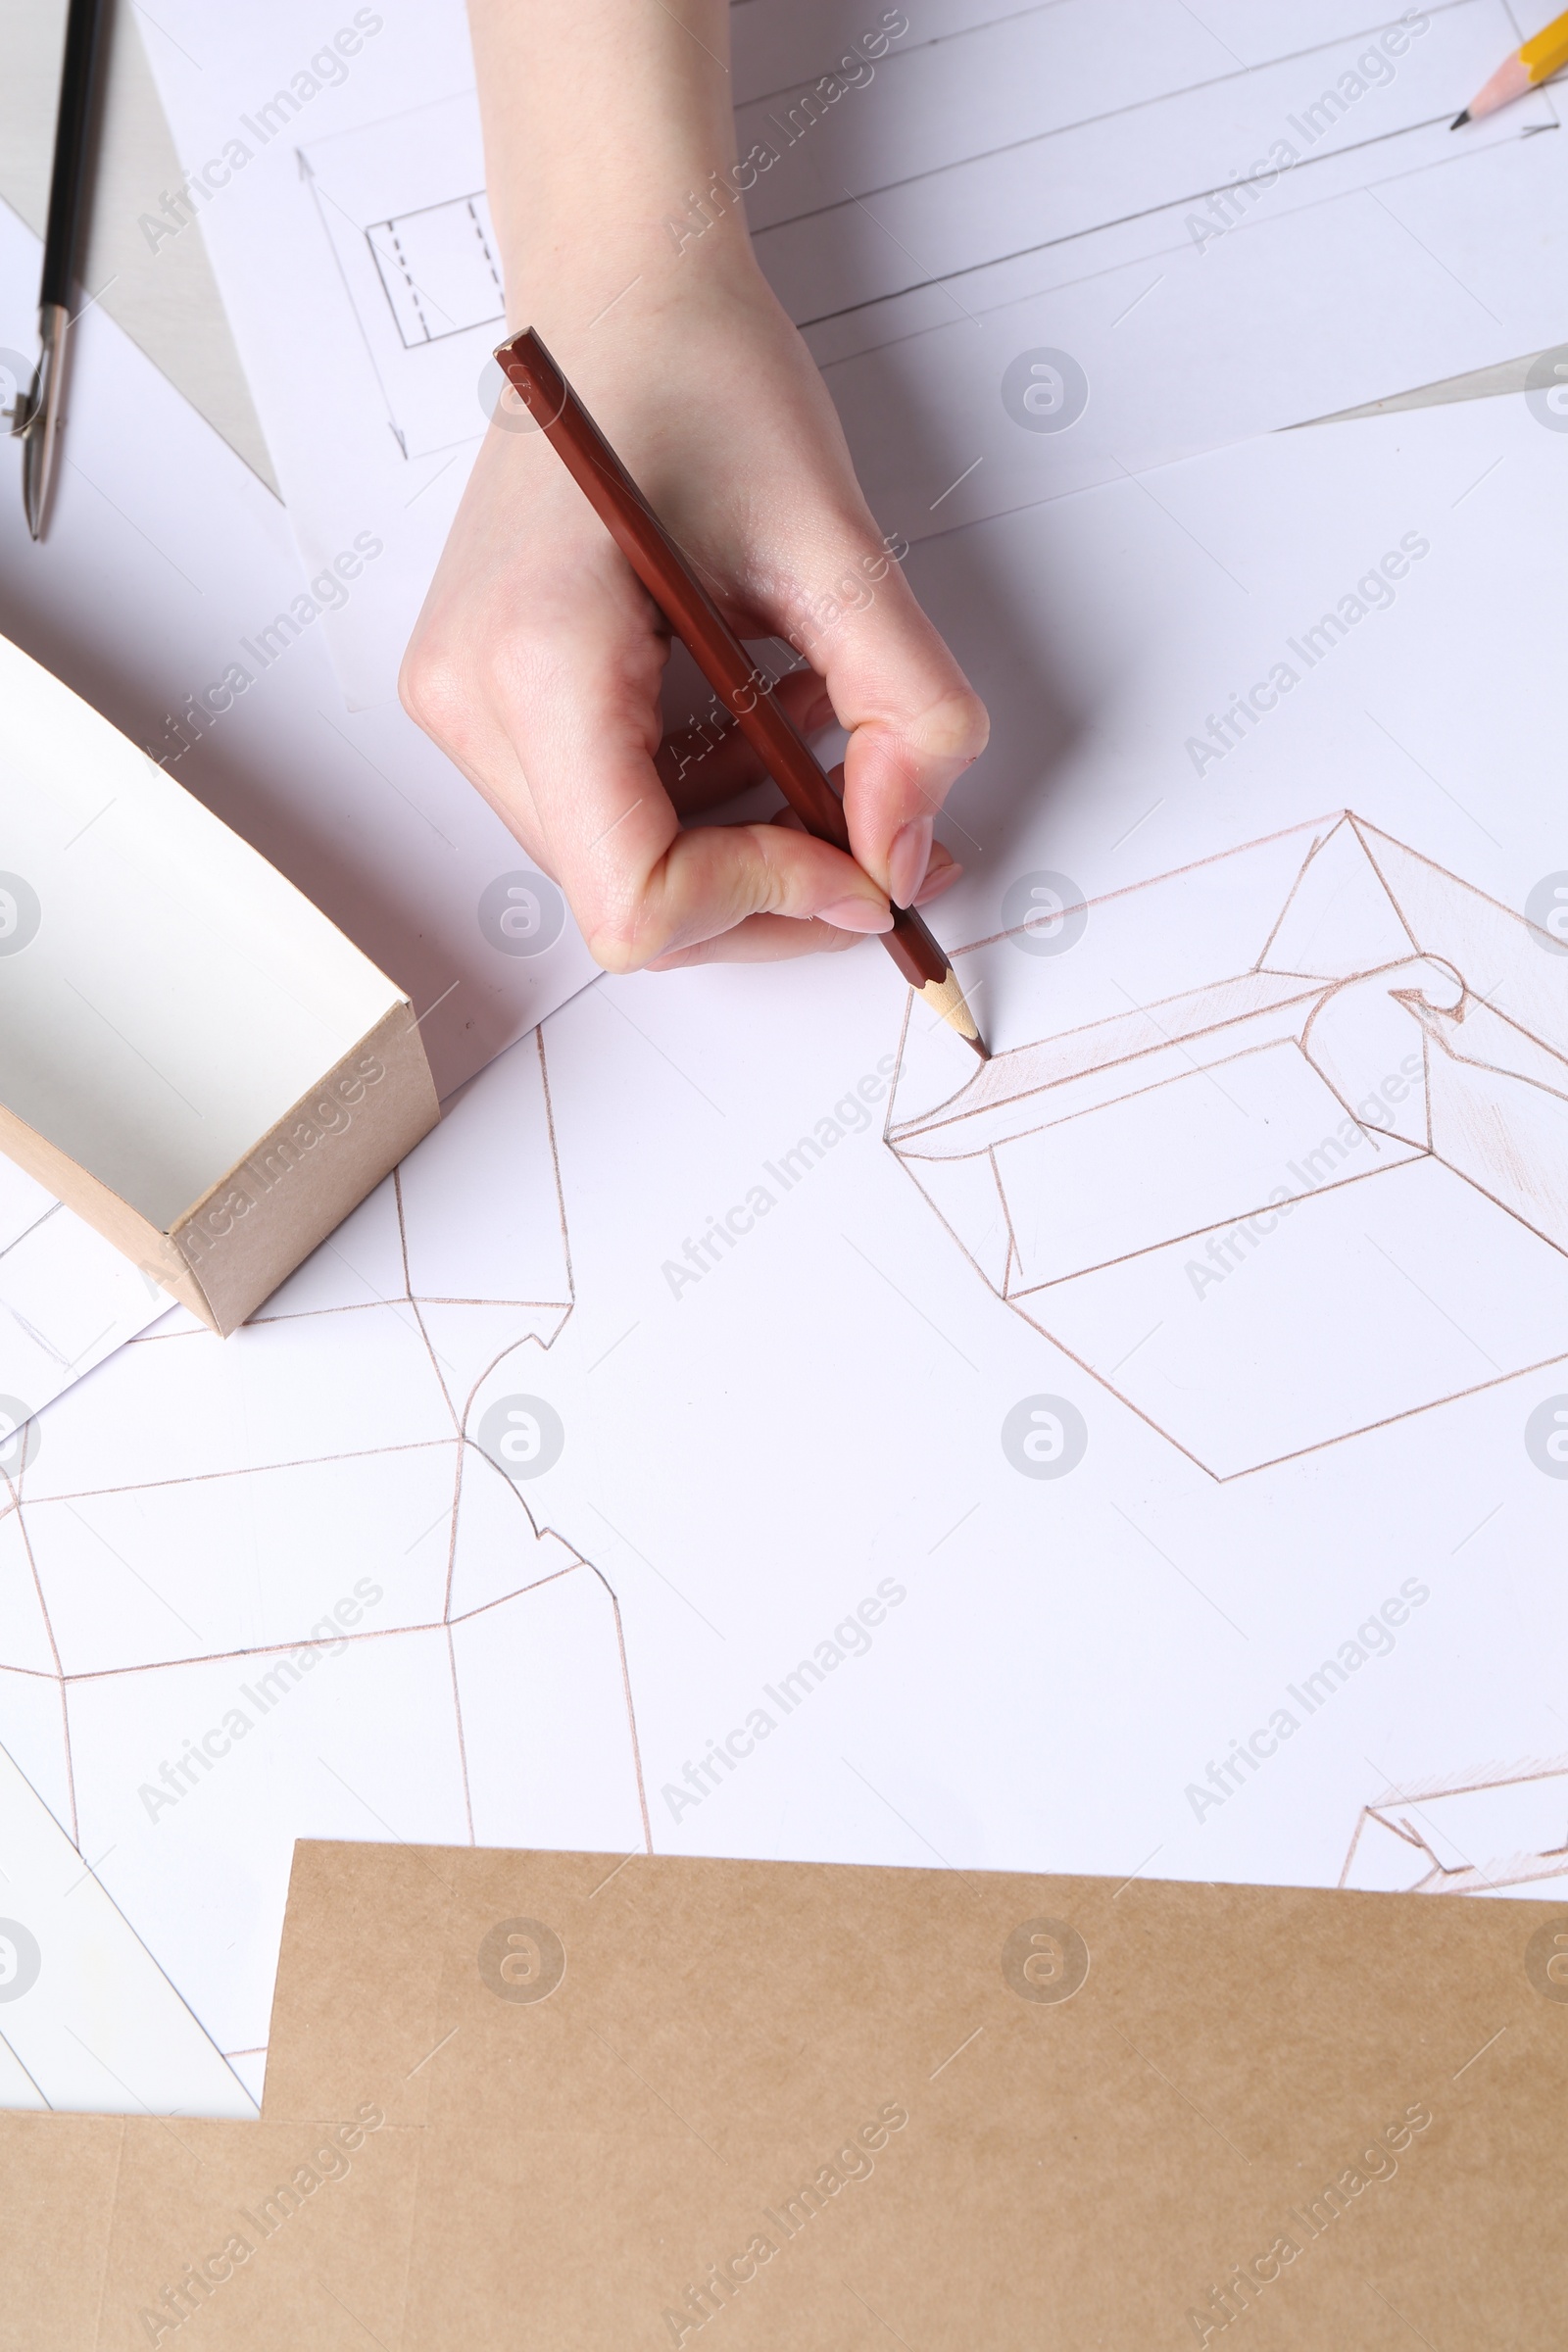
(914,723)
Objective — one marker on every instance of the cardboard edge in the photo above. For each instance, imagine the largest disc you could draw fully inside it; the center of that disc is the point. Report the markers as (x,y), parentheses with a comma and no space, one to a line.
(268,1213)
(368,1132)
(99,1206)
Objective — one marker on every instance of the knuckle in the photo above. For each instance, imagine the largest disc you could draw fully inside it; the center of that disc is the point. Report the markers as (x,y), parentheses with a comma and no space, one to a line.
(433,689)
(774,878)
(612,951)
(956,727)
(622,938)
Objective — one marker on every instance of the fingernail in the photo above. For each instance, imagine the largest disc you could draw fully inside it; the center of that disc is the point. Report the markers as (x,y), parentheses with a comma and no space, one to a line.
(907,860)
(937,879)
(856,914)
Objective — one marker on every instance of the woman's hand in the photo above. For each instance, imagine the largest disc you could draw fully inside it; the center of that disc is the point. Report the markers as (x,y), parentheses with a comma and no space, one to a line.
(537,660)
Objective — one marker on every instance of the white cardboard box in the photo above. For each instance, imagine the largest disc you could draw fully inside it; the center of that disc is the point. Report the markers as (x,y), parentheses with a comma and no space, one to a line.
(192,1056)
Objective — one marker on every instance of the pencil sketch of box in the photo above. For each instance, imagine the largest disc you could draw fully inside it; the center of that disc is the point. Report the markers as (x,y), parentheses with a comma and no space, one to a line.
(1276,1150)
(1465,1835)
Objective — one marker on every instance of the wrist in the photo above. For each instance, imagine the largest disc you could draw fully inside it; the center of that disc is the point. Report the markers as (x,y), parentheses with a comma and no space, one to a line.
(569,270)
(608,137)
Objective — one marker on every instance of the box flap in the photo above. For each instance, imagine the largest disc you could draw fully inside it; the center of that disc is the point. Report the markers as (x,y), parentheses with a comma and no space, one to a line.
(933,2094)
(608,2101)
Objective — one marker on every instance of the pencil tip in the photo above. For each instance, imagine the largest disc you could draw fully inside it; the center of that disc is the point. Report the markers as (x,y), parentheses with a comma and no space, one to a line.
(1458,119)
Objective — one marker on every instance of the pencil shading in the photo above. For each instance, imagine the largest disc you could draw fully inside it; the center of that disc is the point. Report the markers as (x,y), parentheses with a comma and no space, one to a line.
(1464,1835)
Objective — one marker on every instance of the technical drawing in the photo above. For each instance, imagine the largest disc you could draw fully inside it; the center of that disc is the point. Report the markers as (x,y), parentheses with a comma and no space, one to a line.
(273,1587)
(945,196)
(401,205)
(1506,1826)
(1280,1156)
(439,269)
(67,1300)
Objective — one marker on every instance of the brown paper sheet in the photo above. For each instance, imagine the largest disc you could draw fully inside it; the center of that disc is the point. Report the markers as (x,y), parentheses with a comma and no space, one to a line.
(672,2102)
(131,2231)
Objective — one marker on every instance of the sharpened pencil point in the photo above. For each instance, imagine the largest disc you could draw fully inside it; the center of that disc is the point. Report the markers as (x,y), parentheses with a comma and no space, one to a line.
(946,998)
(1458,119)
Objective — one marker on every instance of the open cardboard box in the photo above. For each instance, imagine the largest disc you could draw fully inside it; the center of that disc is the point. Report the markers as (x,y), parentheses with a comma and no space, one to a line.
(193,1058)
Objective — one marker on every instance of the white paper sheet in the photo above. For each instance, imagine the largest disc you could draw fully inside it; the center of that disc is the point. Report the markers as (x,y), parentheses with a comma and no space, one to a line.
(88,2022)
(771,1514)
(67,1302)
(1005,231)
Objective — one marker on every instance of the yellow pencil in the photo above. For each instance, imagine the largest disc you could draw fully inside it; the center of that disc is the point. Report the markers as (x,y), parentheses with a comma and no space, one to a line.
(1537,61)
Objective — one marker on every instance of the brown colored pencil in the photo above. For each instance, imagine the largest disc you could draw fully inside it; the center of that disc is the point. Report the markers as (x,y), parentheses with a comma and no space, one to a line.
(716,649)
